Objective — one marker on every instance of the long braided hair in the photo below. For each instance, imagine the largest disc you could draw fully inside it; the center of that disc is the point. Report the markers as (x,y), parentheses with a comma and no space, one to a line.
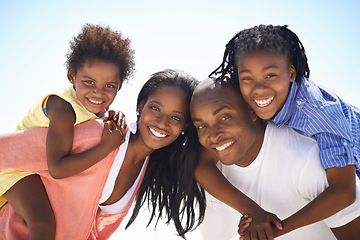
(169,183)
(263,37)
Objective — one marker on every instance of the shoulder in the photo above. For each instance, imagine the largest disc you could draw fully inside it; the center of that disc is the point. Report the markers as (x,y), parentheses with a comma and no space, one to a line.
(319,97)
(287,136)
(294,148)
(88,133)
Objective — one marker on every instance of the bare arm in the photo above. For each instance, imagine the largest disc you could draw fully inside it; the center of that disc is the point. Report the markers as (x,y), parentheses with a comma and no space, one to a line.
(60,139)
(340,194)
(350,231)
(214,182)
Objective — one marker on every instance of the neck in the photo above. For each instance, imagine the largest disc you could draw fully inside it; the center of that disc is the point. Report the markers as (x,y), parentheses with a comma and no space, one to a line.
(253,152)
(137,148)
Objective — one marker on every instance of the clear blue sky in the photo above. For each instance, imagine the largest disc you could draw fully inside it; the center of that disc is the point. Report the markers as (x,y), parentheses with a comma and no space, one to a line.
(188,35)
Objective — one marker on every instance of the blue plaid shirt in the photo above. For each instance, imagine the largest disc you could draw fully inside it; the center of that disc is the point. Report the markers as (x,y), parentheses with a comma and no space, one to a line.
(318,113)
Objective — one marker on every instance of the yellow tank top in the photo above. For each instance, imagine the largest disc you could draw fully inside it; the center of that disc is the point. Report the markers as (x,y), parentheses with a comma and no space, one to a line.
(35,116)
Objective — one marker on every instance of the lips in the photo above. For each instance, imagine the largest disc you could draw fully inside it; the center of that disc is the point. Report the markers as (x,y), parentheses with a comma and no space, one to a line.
(263,102)
(157,133)
(96,102)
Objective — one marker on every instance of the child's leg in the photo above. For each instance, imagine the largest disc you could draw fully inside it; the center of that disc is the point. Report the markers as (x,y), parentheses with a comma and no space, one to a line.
(29,200)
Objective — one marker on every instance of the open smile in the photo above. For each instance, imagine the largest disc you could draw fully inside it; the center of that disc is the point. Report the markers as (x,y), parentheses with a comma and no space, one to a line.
(157,133)
(96,102)
(263,102)
(224,146)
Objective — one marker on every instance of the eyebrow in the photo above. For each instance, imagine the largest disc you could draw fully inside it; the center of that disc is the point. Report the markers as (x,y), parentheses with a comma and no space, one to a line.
(216,111)
(179,112)
(265,68)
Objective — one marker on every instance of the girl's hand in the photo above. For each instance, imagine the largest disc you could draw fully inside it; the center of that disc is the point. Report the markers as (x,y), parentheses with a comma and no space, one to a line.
(261,226)
(243,225)
(113,136)
(116,116)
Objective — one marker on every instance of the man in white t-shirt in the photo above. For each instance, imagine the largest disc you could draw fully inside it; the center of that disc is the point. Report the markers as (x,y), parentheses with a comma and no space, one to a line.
(276,167)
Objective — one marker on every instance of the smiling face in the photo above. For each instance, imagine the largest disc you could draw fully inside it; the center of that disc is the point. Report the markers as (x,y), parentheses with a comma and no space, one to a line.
(264,79)
(163,116)
(225,124)
(96,84)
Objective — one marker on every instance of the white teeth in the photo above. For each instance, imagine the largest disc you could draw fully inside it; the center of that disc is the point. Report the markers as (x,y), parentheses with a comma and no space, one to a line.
(156,133)
(226,145)
(95,102)
(263,102)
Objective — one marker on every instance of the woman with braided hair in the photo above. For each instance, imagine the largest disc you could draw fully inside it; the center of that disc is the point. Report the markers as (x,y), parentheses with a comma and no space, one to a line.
(269,66)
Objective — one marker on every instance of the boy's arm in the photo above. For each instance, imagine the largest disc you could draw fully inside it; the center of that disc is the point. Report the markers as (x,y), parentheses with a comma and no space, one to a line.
(340,194)
(214,182)
(60,139)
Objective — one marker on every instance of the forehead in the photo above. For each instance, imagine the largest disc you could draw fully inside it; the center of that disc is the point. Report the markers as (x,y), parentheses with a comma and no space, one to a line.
(170,96)
(166,90)
(210,99)
(269,56)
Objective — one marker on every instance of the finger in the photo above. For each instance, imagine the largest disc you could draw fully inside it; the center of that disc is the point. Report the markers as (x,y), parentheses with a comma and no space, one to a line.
(268,232)
(246,236)
(123,120)
(116,115)
(113,126)
(106,126)
(276,221)
(253,235)
(262,235)
(105,117)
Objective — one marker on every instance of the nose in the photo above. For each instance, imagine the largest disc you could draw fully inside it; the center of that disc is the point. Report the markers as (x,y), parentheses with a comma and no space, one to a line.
(162,121)
(98,91)
(259,87)
(215,133)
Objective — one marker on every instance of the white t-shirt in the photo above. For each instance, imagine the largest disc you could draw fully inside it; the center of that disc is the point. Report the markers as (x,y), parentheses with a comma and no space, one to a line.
(285,176)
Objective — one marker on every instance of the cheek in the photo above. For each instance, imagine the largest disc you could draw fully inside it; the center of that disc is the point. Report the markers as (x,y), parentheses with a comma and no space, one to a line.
(202,139)
(112,96)
(245,92)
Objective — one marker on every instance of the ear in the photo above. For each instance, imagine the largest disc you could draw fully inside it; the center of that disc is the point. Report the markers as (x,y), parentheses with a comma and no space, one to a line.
(71,76)
(140,108)
(292,72)
(186,127)
(120,85)
(253,116)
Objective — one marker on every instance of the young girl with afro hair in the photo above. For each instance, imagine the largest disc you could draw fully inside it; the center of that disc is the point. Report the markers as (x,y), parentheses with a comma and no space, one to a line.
(98,62)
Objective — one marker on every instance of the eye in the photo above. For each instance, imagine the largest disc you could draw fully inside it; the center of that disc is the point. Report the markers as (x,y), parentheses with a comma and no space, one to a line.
(176,118)
(245,79)
(201,126)
(270,76)
(90,82)
(226,117)
(156,109)
(110,86)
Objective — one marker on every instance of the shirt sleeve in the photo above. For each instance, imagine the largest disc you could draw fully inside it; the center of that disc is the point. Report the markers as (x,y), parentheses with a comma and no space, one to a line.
(220,220)
(313,181)
(335,151)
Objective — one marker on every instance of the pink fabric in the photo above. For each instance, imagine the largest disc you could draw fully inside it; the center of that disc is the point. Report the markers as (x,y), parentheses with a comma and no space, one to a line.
(75,199)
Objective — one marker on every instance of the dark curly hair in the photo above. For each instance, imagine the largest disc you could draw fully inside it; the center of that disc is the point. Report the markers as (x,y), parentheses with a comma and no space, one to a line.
(263,37)
(101,43)
(169,182)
